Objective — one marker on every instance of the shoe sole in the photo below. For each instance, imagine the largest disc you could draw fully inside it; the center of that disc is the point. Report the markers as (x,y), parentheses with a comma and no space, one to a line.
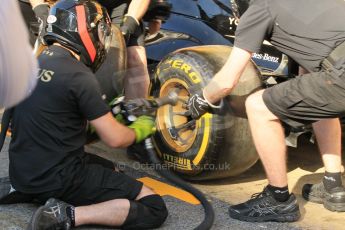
(334,207)
(290,217)
(32,225)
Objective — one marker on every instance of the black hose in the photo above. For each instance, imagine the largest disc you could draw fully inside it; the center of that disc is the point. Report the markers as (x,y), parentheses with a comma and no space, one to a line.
(166,173)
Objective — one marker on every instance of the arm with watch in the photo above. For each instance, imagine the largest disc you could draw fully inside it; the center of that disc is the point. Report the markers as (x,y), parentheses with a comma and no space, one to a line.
(211,97)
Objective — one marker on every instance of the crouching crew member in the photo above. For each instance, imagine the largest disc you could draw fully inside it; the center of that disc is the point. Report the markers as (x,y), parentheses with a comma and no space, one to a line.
(47,157)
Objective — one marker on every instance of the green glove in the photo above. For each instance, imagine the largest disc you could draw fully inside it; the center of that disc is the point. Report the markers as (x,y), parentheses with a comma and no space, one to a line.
(143,127)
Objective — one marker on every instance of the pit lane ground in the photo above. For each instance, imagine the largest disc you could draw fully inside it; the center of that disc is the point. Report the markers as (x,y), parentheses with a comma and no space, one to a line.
(304,166)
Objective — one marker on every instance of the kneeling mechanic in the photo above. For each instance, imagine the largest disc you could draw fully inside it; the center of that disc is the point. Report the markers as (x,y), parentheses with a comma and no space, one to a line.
(47,157)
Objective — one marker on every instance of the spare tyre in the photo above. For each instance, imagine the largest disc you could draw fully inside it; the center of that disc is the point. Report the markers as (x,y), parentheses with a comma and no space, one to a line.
(216,145)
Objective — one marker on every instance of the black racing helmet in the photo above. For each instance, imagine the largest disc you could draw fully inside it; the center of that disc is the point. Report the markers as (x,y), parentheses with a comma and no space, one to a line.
(82,26)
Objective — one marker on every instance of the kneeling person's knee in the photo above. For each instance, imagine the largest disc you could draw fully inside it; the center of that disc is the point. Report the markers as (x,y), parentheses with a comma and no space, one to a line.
(146,213)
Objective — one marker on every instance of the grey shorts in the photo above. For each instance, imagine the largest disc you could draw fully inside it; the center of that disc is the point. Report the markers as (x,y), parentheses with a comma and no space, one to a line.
(308,98)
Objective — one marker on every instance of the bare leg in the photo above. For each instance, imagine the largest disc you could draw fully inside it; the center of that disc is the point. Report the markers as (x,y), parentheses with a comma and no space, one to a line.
(266,126)
(110,213)
(137,78)
(328,135)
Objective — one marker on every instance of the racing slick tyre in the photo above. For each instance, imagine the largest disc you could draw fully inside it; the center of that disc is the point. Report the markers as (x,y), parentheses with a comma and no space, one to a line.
(217,145)
(112,71)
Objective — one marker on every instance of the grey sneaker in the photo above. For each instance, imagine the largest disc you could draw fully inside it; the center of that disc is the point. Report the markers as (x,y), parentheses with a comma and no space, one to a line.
(263,207)
(333,200)
(51,216)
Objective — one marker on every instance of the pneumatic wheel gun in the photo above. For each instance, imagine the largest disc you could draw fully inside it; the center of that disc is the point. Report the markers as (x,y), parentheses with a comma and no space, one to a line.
(131,109)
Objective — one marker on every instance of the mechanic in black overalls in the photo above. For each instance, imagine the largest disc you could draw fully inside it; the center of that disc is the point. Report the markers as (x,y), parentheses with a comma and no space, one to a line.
(312,33)
(128,15)
(46,153)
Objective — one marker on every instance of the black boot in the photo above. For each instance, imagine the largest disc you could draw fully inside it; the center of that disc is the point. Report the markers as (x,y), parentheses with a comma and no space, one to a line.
(333,200)
(263,207)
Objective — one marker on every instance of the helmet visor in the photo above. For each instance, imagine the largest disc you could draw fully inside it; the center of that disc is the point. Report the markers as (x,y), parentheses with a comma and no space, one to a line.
(68,21)
(63,19)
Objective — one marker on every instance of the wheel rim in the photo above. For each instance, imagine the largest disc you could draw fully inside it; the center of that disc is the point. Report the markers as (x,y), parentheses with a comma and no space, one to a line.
(177,130)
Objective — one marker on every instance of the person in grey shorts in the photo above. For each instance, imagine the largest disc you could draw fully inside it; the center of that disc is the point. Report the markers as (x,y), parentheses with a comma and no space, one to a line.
(305,32)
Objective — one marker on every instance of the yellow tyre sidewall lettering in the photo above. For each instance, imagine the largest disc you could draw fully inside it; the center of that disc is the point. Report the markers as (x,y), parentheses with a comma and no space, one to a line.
(185,163)
(204,122)
(185,67)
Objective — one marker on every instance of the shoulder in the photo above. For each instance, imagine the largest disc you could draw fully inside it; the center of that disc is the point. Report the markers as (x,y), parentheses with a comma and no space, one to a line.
(63,64)
(83,81)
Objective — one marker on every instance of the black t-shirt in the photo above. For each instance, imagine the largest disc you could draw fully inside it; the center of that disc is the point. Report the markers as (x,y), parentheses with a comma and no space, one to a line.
(48,128)
(305,30)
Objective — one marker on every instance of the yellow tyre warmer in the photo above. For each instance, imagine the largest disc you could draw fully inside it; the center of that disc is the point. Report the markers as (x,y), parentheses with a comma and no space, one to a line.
(217,145)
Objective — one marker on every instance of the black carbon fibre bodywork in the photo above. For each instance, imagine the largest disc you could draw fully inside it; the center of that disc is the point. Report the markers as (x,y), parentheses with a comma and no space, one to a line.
(209,22)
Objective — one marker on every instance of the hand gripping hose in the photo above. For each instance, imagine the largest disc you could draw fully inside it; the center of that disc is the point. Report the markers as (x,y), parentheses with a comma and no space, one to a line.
(166,173)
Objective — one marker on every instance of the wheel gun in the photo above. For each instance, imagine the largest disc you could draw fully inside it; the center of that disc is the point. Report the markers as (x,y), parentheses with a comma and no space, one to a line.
(133,108)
